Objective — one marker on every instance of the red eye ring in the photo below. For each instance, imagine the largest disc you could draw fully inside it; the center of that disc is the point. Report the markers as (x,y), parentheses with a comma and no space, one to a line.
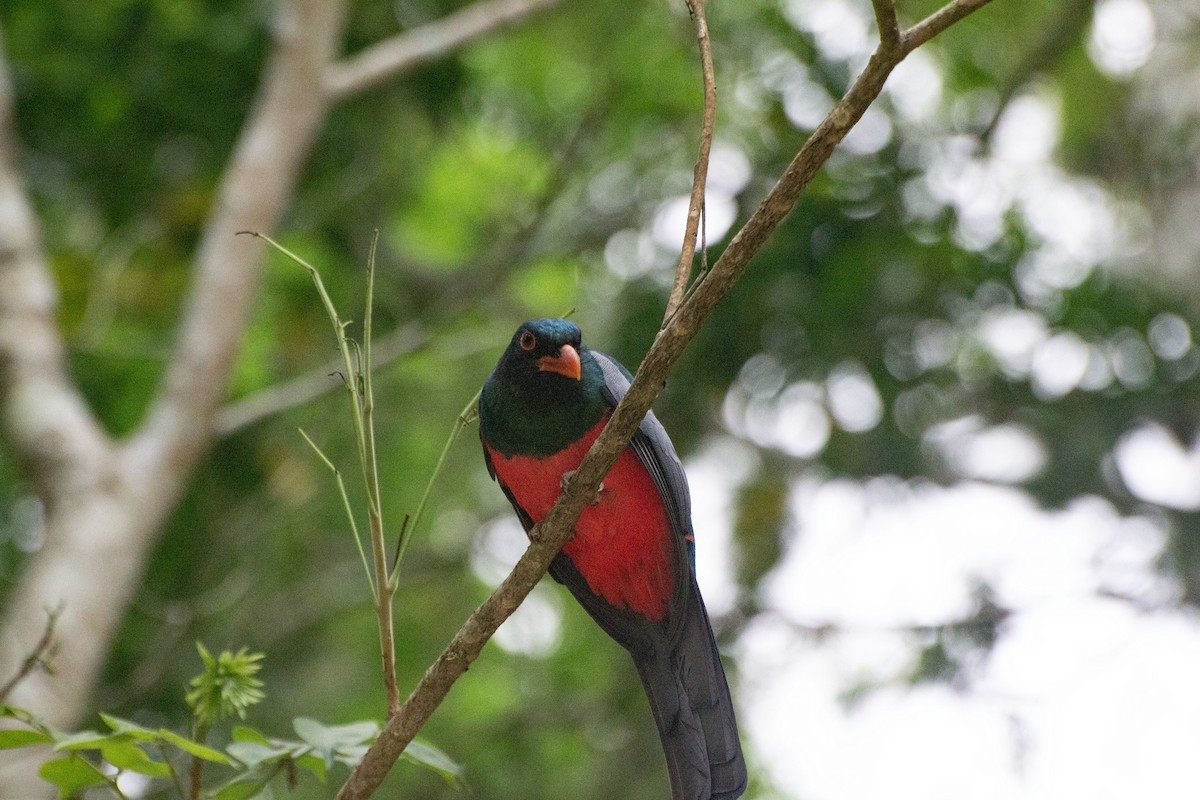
(527,341)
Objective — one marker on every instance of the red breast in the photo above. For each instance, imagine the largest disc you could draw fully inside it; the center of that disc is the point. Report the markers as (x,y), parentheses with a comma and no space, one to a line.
(622,543)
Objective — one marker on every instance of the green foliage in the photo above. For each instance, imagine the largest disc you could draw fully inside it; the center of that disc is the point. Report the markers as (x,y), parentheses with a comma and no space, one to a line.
(226,687)
(70,774)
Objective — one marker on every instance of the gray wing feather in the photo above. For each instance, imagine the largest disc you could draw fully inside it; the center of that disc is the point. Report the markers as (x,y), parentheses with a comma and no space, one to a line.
(654,449)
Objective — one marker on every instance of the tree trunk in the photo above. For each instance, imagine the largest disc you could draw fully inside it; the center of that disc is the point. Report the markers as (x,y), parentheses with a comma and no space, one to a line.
(105,502)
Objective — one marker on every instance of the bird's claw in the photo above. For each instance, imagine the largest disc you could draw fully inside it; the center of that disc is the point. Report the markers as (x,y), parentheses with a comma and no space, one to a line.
(566,478)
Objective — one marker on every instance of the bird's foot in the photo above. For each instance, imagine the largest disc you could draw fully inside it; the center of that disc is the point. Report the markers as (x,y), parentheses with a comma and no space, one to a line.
(570,474)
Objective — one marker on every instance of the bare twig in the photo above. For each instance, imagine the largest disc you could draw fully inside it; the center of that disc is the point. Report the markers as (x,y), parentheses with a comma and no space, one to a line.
(549,535)
(384,593)
(356,360)
(39,657)
(384,60)
(683,269)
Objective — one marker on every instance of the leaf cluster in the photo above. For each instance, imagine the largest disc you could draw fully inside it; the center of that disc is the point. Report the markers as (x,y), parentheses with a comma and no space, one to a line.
(251,760)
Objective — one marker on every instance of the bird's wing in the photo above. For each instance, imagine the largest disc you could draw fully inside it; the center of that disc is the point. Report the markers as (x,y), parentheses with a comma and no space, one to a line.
(654,449)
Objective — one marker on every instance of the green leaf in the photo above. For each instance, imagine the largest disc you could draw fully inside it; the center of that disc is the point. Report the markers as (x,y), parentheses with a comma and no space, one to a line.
(317,735)
(244,733)
(254,754)
(193,748)
(313,764)
(350,756)
(426,755)
(125,754)
(131,729)
(320,735)
(83,740)
(13,712)
(243,790)
(70,774)
(16,737)
(336,735)
(328,740)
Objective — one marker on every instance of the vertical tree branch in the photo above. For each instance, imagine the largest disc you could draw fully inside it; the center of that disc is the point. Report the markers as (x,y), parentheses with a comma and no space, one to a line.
(384,588)
(105,504)
(67,457)
(683,269)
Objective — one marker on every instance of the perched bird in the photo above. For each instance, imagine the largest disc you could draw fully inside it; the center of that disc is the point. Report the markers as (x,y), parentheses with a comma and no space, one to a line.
(631,561)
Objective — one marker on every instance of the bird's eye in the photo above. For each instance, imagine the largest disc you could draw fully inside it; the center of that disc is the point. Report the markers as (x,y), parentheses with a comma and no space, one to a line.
(527,341)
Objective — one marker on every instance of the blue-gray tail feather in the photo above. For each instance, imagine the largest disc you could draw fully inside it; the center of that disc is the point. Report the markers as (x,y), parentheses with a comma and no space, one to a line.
(689,697)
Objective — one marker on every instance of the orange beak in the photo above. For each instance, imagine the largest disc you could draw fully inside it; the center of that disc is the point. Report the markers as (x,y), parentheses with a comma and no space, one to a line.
(565,363)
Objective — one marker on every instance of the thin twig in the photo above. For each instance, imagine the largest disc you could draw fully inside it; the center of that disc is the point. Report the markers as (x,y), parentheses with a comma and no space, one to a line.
(357,383)
(432,40)
(406,532)
(341,485)
(40,656)
(548,536)
(937,22)
(385,589)
(683,269)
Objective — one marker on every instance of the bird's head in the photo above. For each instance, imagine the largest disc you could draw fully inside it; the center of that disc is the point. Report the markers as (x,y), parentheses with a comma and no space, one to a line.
(545,391)
(544,352)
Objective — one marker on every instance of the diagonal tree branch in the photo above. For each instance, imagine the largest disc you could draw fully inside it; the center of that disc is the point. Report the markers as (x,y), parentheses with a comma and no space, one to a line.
(404,51)
(548,536)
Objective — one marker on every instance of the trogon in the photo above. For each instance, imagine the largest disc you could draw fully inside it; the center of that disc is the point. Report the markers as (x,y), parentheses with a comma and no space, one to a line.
(631,560)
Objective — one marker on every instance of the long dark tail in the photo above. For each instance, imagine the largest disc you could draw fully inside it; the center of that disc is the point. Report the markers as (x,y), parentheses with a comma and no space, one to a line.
(690,700)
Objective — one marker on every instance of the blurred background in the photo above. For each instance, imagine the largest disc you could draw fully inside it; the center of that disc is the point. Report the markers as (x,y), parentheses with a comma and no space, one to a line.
(942,438)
